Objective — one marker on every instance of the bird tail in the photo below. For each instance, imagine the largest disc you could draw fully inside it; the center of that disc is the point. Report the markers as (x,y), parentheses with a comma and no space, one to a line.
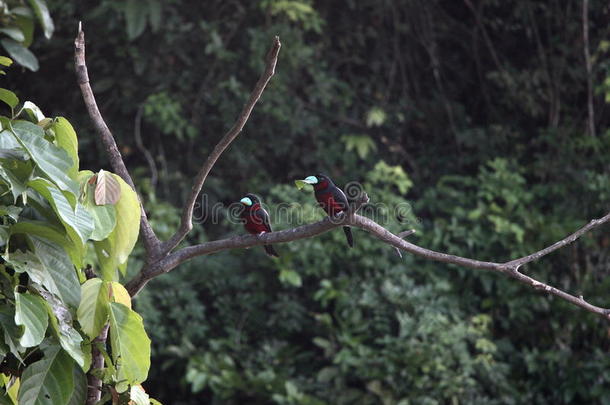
(271,251)
(348,235)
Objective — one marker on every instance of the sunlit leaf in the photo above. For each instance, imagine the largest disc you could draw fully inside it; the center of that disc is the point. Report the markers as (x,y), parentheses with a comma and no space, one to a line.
(93,309)
(115,249)
(130,345)
(66,139)
(9,97)
(77,221)
(51,159)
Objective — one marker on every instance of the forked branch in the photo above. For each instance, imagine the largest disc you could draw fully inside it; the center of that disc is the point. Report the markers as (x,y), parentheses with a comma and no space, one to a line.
(186,223)
(151,243)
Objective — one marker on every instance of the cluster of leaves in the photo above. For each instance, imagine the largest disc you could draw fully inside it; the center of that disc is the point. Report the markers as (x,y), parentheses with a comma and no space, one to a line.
(17,22)
(53,216)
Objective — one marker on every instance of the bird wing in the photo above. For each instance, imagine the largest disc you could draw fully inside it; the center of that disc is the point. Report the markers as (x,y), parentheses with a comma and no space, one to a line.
(340,198)
(263,215)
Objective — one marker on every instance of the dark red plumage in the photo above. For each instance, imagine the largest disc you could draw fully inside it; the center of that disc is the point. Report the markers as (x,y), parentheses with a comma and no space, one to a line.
(256,221)
(332,200)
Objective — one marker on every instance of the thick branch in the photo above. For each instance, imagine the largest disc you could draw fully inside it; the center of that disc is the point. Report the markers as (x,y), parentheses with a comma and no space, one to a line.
(151,242)
(186,221)
(510,268)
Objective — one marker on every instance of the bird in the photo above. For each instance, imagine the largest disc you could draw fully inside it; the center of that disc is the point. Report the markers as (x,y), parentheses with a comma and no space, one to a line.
(331,198)
(256,219)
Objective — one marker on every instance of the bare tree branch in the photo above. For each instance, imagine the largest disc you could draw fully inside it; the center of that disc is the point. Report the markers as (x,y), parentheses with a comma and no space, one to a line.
(151,243)
(186,223)
(510,268)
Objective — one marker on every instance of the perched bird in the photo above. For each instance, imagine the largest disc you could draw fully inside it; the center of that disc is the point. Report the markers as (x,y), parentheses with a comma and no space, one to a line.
(331,198)
(256,219)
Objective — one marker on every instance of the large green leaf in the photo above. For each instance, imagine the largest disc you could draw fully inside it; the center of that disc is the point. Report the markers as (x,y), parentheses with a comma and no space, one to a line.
(93,309)
(14,33)
(51,159)
(115,249)
(31,313)
(52,233)
(65,136)
(79,393)
(9,97)
(54,270)
(78,222)
(42,12)
(69,338)
(11,331)
(49,381)
(130,346)
(135,14)
(20,54)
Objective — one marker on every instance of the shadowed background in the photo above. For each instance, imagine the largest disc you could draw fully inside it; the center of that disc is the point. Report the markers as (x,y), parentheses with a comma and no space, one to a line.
(471,113)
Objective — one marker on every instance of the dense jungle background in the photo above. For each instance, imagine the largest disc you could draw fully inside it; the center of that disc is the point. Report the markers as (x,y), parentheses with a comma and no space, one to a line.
(475,113)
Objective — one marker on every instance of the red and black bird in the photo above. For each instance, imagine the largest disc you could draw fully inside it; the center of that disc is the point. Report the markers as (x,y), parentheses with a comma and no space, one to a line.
(256,219)
(331,198)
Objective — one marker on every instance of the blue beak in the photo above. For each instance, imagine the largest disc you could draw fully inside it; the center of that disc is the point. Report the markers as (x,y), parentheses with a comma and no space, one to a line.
(311,180)
(246,201)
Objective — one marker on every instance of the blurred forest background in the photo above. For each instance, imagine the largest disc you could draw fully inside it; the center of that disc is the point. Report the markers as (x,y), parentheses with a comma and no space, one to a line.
(474,112)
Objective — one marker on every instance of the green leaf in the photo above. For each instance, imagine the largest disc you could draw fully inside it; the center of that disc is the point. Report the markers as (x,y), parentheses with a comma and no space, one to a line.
(79,393)
(55,235)
(11,331)
(33,111)
(104,216)
(31,313)
(93,309)
(52,160)
(54,270)
(155,10)
(135,15)
(20,54)
(69,338)
(12,178)
(42,12)
(290,277)
(107,189)
(4,61)
(25,21)
(14,33)
(78,222)
(115,249)
(49,381)
(9,98)
(65,136)
(130,345)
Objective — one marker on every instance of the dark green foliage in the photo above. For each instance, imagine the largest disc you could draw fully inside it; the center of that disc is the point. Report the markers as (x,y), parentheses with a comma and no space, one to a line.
(484,109)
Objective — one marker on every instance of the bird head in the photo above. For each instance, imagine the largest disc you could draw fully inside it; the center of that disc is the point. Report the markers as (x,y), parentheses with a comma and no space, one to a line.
(249,200)
(319,181)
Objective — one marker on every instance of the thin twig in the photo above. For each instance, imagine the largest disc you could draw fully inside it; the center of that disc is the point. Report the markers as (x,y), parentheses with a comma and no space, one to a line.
(151,243)
(137,133)
(585,37)
(186,223)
